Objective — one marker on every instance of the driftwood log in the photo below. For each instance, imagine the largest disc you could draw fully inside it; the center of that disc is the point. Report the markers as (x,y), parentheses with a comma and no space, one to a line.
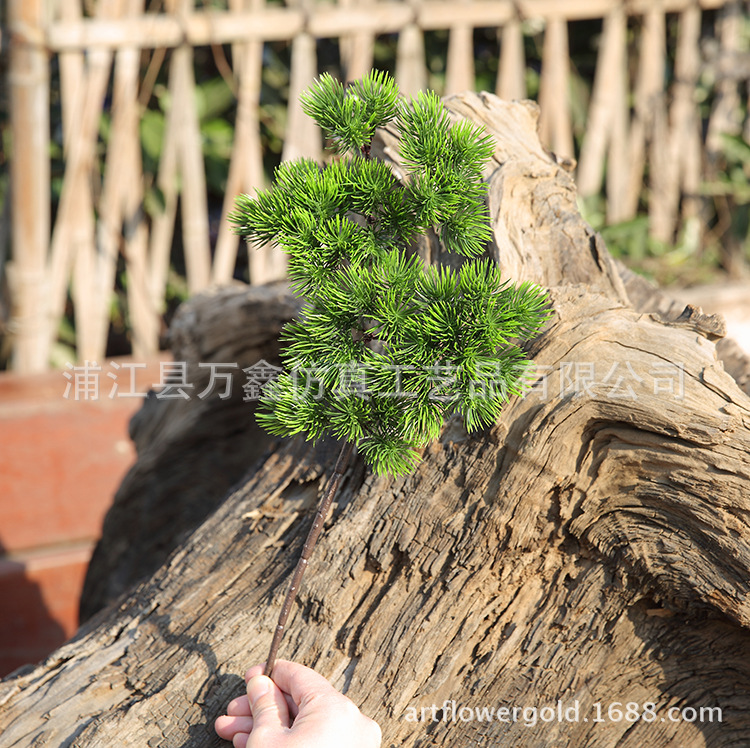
(590,549)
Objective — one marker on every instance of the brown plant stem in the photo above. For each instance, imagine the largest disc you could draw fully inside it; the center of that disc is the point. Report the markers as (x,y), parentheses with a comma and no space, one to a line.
(312,538)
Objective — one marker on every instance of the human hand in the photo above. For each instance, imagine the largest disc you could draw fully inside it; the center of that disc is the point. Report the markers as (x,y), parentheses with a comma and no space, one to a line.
(297,709)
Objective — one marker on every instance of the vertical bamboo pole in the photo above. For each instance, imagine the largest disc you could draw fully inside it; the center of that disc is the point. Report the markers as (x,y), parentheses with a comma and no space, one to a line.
(511,77)
(144,314)
(227,243)
(109,225)
(606,133)
(617,157)
(555,127)
(346,44)
(726,117)
(73,78)
(82,236)
(72,75)
(29,184)
(649,96)
(74,225)
(246,166)
(120,210)
(686,118)
(677,167)
(411,71)
(601,111)
(162,224)
(303,136)
(459,70)
(81,232)
(194,201)
(661,165)
(91,313)
(358,62)
(661,206)
(356,51)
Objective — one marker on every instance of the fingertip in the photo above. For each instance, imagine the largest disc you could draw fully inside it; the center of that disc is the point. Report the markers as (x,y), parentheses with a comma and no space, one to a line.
(375,729)
(222,727)
(258,686)
(228,726)
(239,707)
(240,740)
(253,671)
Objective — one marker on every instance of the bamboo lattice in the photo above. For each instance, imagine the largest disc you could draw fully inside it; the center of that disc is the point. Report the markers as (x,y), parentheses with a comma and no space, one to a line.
(634,128)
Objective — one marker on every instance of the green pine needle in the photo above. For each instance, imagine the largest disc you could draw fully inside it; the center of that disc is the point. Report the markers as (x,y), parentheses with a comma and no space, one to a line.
(385,349)
(350,116)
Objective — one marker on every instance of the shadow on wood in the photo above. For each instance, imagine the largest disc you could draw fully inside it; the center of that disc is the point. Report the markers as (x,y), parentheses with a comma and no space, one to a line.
(193,449)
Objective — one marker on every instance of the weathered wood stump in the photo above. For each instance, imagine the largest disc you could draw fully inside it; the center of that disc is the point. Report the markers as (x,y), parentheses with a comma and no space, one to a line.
(591,548)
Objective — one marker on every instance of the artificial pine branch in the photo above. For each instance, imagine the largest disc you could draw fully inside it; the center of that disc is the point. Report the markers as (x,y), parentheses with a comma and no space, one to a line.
(385,348)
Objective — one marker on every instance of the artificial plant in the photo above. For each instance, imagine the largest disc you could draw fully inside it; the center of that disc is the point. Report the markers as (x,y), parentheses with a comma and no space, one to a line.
(385,348)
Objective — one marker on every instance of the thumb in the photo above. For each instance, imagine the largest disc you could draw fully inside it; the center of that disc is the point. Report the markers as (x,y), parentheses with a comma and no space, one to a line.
(267,704)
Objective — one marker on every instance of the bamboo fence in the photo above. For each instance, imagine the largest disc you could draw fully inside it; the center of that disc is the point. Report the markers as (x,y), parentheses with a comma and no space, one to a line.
(633,128)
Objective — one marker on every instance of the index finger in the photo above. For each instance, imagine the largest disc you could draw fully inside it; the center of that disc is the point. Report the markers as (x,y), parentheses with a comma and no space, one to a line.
(300,681)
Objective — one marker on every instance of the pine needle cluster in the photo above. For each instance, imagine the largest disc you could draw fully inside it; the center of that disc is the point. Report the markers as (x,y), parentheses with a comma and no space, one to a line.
(385,348)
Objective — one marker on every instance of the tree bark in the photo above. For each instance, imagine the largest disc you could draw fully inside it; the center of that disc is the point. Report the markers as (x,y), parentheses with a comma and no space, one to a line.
(591,548)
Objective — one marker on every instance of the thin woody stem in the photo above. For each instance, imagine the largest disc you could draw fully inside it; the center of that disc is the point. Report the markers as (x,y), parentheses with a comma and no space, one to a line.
(317,527)
(312,538)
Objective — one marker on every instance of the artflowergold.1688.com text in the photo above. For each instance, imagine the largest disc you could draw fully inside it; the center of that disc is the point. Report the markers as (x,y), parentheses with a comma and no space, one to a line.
(573,711)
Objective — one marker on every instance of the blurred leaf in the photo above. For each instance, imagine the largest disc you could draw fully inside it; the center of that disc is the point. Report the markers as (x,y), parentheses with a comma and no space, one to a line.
(735,188)
(177,288)
(213,98)
(61,354)
(629,239)
(66,331)
(736,149)
(154,202)
(105,126)
(218,138)
(152,134)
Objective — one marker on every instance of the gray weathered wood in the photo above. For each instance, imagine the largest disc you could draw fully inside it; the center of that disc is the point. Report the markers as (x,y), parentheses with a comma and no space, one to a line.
(590,547)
